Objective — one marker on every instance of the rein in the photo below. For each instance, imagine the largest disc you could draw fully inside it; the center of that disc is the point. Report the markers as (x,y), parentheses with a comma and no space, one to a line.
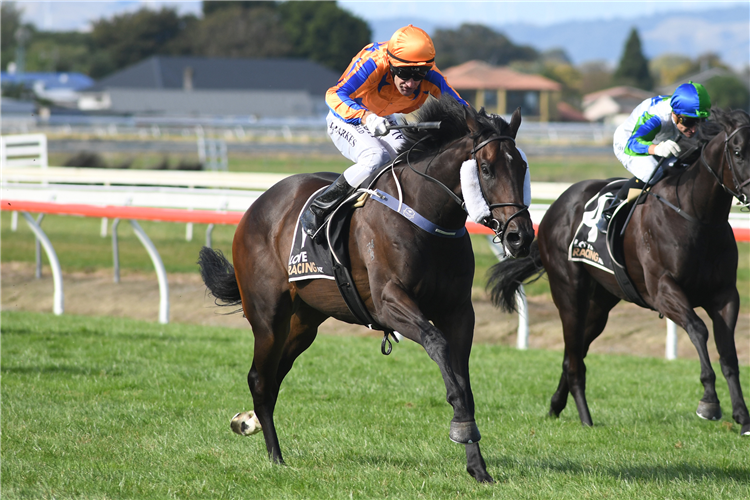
(737,185)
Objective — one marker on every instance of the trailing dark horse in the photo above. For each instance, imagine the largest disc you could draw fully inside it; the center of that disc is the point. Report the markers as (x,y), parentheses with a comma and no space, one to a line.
(412,282)
(677,263)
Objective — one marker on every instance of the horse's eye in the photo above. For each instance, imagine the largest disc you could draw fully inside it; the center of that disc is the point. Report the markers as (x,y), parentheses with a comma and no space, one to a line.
(485,169)
(738,153)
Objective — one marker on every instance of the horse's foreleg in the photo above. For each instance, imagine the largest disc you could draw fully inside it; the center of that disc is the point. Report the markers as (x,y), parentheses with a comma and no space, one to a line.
(459,327)
(400,312)
(724,322)
(672,302)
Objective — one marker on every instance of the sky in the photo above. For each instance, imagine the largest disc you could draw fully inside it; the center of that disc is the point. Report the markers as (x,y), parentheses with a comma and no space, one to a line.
(60,15)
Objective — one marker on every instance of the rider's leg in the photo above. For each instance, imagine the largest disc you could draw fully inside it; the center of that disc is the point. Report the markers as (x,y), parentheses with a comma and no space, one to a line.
(642,167)
(614,202)
(356,143)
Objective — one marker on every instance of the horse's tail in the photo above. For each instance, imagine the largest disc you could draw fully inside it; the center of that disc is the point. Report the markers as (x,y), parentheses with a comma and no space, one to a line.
(218,276)
(505,277)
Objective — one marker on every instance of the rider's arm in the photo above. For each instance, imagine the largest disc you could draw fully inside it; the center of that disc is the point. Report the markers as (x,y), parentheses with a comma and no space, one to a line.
(641,139)
(436,84)
(362,76)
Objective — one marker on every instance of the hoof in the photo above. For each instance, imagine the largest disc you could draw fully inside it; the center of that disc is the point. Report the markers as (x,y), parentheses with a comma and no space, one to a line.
(708,411)
(745,431)
(464,432)
(483,477)
(553,414)
(245,423)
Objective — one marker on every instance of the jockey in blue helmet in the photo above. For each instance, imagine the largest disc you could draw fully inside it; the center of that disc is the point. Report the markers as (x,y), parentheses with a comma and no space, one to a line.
(651,133)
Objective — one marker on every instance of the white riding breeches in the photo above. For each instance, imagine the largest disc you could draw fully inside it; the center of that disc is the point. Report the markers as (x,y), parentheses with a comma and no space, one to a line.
(366,151)
(640,166)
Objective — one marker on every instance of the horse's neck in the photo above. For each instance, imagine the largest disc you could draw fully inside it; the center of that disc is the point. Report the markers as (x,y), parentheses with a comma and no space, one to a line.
(709,199)
(430,199)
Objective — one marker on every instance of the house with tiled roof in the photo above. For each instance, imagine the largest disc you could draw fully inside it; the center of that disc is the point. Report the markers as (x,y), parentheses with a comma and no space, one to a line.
(501,90)
(166,85)
(613,105)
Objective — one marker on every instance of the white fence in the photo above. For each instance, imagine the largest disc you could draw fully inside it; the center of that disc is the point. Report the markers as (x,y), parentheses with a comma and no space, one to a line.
(23,151)
(221,191)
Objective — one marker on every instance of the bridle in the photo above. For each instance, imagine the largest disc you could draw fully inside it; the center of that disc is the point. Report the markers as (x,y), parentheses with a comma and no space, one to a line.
(491,222)
(728,160)
(495,225)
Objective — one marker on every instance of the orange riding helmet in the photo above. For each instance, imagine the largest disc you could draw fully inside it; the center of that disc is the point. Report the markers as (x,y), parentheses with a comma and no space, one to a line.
(411,46)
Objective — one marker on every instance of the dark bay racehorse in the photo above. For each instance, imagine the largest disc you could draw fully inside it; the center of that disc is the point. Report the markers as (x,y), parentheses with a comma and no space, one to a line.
(677,263)
(415,283)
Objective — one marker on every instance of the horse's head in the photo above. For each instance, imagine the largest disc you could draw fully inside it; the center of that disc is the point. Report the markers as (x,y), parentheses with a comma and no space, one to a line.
(474,155)
(727,154)
(492,180)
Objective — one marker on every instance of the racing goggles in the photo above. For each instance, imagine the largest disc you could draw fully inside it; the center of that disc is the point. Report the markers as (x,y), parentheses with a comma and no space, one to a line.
(406,73)
(689,121)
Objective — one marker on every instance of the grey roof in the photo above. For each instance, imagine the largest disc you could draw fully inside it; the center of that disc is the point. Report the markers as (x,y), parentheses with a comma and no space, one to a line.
(166,72)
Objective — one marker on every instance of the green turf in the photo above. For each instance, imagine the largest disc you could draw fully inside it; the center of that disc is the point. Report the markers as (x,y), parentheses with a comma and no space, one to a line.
(115,408)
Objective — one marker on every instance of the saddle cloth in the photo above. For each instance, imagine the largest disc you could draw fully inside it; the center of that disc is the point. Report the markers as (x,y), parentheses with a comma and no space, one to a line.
(311,259)
(589,245)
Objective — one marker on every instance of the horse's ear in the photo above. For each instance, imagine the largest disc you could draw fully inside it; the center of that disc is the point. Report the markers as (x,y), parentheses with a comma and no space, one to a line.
(515,122)
(471,121)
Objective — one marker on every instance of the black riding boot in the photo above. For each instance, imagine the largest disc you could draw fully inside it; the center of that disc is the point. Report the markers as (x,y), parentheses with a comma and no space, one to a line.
(621,195)
(606,215)
(324,204)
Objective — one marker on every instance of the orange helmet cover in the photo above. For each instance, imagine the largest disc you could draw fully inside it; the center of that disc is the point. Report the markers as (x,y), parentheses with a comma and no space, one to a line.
(411,46)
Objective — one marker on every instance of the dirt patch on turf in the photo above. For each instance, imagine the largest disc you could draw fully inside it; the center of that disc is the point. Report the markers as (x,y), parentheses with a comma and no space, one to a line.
(631,330)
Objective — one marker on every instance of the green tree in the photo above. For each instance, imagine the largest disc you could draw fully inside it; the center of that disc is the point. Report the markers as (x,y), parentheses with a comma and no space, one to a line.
(475,41)
(59,51)
(323,32)
(728,92)
(633,69)
(132,37)
(10,21)
(236,31)
(213,6)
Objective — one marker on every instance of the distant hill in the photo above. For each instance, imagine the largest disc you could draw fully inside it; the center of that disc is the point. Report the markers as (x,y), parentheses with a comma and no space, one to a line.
(724,31)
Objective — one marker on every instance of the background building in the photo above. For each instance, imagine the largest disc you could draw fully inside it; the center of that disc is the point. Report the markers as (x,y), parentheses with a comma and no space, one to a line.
(501,90)
(161,85)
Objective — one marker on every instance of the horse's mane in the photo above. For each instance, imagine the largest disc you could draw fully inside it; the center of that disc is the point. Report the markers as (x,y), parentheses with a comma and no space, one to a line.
(721,121)
(452,115)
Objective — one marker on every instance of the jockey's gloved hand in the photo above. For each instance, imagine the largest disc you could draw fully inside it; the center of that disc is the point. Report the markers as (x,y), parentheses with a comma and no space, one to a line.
(666,149)
(377,125)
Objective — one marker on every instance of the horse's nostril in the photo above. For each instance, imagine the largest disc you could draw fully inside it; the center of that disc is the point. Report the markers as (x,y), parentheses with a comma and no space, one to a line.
(512,239)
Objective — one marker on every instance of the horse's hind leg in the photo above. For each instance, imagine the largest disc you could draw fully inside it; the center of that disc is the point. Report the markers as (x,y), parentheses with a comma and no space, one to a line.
(270,331)
(596,320)
(724,322)
(274,355)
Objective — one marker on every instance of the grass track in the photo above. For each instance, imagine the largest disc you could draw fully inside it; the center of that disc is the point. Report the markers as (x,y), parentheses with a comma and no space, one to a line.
(114,408)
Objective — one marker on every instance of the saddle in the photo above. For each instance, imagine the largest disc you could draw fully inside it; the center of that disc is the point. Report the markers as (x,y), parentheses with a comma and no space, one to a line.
(605,251)
(328,258)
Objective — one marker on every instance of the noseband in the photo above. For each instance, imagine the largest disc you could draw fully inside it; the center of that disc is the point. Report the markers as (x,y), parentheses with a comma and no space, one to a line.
(495,225)
(727,158)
